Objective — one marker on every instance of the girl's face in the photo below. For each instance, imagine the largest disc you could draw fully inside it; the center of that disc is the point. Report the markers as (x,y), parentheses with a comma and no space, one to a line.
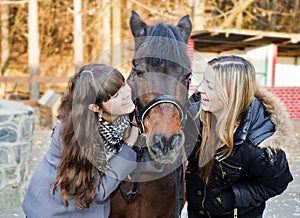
(119,104)
(210,100)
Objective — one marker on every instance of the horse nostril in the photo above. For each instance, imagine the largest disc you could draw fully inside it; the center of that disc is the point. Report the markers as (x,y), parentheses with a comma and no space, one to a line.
(176,140)
(159,144)
(156,142)
(173,141)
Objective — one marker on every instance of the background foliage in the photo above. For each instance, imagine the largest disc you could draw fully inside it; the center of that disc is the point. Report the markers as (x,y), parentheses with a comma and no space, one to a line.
(56,23)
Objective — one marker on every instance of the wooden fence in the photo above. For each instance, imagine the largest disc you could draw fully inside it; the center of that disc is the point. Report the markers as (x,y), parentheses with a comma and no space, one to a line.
(4,80)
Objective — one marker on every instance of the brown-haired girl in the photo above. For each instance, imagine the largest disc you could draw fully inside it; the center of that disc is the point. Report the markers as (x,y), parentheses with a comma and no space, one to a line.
(89,154)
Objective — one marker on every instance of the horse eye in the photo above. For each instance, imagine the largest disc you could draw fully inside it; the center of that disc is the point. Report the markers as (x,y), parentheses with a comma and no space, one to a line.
(185,76)
(134,62)
(139,69)
(188,75)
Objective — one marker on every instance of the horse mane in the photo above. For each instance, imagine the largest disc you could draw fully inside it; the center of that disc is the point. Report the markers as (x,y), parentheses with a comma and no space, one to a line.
(164,44)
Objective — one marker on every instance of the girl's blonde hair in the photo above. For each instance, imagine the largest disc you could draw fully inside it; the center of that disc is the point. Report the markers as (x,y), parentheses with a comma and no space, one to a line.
(236,86)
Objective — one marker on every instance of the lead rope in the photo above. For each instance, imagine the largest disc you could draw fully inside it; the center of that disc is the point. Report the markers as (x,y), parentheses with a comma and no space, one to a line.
(180,172)
(179,191)
(131,194)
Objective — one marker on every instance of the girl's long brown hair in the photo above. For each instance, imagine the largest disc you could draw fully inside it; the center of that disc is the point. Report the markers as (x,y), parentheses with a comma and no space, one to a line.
(83,160)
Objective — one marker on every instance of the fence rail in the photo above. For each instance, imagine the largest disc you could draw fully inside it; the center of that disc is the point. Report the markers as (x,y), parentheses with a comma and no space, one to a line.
(34,79)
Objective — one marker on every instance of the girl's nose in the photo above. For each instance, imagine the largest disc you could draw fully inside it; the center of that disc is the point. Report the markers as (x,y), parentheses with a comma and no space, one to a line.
(127,88)
(200,88)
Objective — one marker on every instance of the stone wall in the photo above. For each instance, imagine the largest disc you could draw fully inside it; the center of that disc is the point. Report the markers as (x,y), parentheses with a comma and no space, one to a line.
(16,130)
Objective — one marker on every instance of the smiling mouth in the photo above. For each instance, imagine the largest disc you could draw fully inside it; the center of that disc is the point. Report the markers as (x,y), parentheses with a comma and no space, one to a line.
(204,99)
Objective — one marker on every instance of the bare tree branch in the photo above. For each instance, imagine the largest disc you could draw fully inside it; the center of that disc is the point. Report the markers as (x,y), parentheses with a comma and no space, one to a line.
(13,2)
(152,10)
(239,8)
(255,18)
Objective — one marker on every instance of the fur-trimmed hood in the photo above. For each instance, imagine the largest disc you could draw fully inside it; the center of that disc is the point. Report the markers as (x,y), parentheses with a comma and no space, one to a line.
(266,123)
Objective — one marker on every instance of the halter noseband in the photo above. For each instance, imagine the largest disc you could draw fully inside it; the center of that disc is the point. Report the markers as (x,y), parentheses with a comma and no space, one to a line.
(158,100)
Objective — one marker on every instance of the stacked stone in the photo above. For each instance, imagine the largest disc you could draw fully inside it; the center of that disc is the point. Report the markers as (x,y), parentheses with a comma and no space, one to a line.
(16,130)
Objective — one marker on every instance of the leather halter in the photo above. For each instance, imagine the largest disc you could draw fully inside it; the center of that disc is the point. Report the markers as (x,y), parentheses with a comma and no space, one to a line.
(158,100)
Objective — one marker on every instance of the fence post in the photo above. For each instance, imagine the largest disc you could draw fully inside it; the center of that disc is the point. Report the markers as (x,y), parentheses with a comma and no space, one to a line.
(33,47)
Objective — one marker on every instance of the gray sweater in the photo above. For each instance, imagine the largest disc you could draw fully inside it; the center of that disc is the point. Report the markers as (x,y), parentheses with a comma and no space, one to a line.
(40,202)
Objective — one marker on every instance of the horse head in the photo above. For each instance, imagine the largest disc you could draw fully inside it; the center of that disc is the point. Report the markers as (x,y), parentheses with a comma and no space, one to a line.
(160,83)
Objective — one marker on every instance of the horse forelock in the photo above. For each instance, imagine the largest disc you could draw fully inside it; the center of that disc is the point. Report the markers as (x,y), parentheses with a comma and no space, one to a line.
(165,30)
(164,44)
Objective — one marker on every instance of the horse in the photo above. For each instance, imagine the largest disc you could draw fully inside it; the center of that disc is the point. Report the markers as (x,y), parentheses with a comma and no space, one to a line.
(160,81)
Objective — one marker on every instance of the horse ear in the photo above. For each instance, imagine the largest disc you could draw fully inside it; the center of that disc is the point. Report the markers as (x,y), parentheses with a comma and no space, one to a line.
(185,26)
(137,25)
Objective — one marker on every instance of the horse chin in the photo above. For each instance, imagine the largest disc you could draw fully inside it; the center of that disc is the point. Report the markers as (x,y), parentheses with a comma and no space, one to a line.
(171,157)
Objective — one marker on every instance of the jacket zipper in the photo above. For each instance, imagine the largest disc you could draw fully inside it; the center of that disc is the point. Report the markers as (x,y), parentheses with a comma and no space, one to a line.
(231,166)
(223,175)
(221,168)
(235,213)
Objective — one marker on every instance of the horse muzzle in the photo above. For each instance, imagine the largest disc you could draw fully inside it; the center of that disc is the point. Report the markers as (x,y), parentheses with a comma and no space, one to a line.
(166,150)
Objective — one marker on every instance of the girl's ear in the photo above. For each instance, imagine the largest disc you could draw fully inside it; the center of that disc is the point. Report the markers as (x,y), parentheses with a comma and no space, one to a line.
(94,108)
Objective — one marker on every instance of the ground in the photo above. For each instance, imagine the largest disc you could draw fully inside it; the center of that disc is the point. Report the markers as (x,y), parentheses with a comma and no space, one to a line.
(286,205)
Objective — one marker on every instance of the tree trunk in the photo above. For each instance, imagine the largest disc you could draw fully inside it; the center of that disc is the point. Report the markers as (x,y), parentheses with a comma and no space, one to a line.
(198,9)
(106,32)
(239,20)
(116,33)
(262,18)
(273,16)
(4,38)
(296,17)
(78,41)
(33,47)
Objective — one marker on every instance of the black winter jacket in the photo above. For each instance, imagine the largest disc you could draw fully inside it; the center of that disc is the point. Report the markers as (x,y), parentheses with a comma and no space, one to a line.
(256,170)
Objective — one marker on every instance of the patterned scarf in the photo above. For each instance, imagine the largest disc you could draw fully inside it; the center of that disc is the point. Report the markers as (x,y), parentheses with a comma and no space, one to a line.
(113,133)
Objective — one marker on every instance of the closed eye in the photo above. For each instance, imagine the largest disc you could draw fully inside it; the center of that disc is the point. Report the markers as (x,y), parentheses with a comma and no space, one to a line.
(115,95)
(210,85)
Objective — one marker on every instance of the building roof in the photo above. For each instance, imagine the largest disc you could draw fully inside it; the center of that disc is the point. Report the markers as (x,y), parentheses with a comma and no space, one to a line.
(217,40)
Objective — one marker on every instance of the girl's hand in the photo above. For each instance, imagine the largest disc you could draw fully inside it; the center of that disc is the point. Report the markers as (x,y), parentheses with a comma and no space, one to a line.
(133,135)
